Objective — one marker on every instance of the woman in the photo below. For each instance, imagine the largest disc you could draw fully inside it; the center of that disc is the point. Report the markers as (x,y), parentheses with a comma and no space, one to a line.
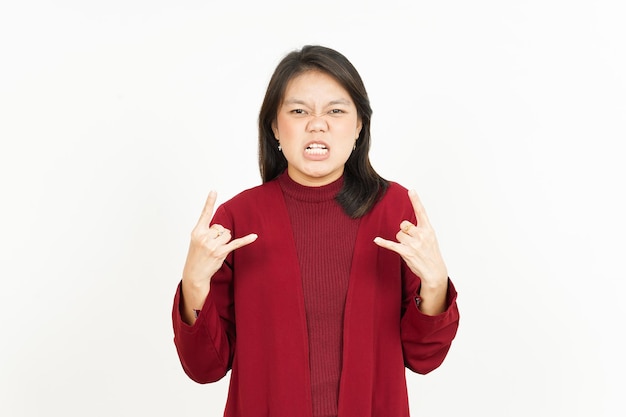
(318,287)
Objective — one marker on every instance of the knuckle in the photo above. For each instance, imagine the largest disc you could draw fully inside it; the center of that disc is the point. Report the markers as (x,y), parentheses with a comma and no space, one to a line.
(196,236)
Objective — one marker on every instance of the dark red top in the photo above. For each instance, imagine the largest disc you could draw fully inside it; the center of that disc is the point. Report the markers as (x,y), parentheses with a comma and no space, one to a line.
(324,235)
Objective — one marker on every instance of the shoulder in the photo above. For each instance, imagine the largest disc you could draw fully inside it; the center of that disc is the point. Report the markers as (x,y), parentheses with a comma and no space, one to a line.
(396,191)
(395,195)
(393,205)
(255,197)
(249,206)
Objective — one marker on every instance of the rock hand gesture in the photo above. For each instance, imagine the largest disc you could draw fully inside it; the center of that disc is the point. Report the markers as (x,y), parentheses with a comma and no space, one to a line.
(417,245)
(209,246)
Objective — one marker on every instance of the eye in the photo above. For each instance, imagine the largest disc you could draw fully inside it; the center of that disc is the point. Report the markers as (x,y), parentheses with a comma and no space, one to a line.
(336,111)
(298,111)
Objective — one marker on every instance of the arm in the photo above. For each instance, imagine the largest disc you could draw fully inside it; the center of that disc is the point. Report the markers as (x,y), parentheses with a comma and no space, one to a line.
(426,339)
(206,344)
(429,312)
(206,348)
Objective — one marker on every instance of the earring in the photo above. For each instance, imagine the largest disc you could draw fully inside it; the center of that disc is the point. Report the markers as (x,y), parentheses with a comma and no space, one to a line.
(354,147)
(280,148)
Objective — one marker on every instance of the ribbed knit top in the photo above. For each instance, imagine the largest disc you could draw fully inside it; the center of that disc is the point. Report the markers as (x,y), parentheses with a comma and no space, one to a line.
(324,236)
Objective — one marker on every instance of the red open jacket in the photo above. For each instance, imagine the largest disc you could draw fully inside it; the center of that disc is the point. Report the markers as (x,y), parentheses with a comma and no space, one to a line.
(253,320)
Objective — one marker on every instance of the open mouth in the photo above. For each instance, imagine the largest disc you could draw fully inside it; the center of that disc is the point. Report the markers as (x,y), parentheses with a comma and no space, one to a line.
(316,149)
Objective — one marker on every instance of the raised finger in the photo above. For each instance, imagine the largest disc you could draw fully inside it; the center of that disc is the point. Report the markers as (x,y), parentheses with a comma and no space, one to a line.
(391,245)
(418,209)
(240,242)
(207,211)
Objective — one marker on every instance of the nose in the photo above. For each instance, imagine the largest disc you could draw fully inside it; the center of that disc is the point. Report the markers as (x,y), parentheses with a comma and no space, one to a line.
(317,123)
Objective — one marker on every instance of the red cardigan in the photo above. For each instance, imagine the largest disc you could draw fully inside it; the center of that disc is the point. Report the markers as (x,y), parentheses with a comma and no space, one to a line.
(253,320)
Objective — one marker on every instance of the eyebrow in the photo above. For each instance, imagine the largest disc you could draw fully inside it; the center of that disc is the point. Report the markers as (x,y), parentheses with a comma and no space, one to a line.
(330,103)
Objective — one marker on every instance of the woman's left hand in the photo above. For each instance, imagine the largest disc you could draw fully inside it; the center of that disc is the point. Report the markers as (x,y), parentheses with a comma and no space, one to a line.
(417,245)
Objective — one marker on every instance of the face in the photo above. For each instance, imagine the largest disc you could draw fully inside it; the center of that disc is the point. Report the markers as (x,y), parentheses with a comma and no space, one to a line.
(317,125)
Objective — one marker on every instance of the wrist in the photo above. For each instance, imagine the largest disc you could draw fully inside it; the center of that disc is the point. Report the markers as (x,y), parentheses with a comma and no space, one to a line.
(432,290)
(194,296)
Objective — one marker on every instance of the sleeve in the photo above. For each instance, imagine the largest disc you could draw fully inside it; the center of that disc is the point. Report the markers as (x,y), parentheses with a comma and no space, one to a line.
(426,340)
(206,349)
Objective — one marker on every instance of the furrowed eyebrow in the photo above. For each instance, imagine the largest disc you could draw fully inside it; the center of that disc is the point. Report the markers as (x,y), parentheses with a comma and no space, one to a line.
(331,103)
(294,101)
(339,101)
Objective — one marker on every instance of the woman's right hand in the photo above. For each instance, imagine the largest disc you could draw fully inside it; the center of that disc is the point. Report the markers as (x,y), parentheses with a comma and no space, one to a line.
(208,248)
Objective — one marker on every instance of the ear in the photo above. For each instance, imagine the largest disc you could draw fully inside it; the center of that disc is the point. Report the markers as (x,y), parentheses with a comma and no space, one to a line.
(359,126)
(275,129)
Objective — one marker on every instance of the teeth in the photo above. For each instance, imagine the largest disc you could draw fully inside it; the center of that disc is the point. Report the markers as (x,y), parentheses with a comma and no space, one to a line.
(316,149)
(316,146)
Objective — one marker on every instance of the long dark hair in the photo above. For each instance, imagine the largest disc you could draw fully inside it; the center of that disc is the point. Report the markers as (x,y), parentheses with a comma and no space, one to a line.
(362,185)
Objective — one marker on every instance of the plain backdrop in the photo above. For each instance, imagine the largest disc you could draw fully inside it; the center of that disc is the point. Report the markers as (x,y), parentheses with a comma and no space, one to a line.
(118,117)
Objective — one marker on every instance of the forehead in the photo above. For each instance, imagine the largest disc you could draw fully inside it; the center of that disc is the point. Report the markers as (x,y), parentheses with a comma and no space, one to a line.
(312,84)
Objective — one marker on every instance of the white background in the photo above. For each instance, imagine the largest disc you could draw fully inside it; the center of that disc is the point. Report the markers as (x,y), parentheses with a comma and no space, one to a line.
(118,117)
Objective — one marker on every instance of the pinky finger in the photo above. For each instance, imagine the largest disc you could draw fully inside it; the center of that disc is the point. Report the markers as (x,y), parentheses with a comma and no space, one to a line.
(242,241)
(388,244)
